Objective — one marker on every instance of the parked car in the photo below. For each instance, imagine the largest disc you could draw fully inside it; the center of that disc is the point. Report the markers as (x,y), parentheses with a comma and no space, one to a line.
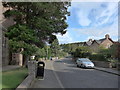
(85,63)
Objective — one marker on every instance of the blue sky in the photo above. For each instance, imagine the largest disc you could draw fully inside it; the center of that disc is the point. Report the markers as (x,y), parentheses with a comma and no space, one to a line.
(91,20)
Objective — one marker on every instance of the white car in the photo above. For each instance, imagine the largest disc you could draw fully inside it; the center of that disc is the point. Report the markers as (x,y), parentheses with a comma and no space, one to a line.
(84,62)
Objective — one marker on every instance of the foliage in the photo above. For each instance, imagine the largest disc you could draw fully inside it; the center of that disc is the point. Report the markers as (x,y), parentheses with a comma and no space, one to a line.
(71,47)
(62,54)
(35,24)
(105,52)
(42,52)
(98,57)
(112,52)
(82,52)
(20,36)
(115,50)
(101,54)
(45,18)
(55,48)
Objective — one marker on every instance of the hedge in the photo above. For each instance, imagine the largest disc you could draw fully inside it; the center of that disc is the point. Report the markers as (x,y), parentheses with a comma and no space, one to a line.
(98,57)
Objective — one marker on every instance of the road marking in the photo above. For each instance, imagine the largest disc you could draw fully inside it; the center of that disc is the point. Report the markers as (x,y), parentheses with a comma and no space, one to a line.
(57,77)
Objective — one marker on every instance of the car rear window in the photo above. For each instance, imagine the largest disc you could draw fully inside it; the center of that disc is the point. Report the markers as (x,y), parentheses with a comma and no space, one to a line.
(85,60)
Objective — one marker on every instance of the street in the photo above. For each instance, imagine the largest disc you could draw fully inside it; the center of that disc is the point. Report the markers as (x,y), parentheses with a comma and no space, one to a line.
(65,74)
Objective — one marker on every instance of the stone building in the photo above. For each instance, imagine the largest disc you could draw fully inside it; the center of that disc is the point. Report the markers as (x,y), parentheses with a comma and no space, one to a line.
(3,29)
(4,24)
(103,43)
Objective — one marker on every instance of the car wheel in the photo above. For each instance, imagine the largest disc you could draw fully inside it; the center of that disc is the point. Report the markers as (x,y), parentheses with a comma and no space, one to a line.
(77,65)
(82,66)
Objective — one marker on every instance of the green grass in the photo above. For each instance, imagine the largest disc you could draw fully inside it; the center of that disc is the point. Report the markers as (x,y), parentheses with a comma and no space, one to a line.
(0,80)
(11,79)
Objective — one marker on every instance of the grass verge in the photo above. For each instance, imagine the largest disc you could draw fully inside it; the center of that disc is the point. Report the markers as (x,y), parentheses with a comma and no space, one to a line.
(12,78)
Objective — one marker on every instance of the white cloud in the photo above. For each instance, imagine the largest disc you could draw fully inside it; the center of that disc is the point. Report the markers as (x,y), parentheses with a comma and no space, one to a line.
(93,13)
(83,10)
(97,33)
(66,38)
(83,20)
(94,20)
(109,13)
(100,19)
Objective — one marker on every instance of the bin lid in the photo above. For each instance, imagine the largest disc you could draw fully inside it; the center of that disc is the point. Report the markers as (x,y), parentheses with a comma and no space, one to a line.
(41,62)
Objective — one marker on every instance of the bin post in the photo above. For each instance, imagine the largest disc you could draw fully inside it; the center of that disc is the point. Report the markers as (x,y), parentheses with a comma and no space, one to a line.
(32,68)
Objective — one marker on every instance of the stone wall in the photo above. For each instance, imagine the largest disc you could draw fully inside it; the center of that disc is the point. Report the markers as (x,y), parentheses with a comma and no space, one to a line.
(101,64)
(17,59)
(32,68)
(27,83)
(5,51)
(119,66)
(5,23)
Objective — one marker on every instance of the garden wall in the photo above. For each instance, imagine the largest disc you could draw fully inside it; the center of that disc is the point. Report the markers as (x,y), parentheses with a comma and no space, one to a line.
(101,64)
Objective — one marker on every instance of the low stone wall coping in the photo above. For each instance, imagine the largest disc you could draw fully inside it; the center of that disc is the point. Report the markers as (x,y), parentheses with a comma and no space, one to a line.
(31,76)
(26,83)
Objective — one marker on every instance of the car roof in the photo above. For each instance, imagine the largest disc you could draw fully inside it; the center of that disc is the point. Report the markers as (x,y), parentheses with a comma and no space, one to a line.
(83,58)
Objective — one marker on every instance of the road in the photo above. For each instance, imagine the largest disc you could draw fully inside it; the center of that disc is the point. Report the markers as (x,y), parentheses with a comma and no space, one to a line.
(64,74)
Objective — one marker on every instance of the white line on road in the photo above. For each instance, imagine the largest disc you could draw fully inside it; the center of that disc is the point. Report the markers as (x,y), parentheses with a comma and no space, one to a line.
(57,77)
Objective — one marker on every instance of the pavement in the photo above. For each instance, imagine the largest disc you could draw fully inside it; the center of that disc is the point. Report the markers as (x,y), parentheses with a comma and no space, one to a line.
(50,79)
(65,74)
(109,70)
(10,67)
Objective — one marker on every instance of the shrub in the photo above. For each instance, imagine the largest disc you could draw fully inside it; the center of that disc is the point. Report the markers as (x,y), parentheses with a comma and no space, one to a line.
(98,57)
(81,52)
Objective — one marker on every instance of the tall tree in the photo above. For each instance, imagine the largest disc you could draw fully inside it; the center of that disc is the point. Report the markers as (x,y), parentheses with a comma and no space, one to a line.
(38,22)
(55,47)
(46,19)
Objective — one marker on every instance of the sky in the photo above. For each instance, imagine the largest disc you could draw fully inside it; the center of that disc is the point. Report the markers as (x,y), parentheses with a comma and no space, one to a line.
(91,20)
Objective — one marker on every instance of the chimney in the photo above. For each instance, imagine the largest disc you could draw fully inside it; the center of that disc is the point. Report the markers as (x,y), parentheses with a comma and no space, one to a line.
(90,40)
(107,36)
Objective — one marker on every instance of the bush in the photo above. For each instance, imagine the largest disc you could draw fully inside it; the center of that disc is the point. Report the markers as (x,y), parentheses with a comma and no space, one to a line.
(98,57)
(81,52)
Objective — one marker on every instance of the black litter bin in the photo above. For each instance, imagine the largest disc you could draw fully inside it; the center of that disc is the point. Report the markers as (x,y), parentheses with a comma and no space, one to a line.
(40,69)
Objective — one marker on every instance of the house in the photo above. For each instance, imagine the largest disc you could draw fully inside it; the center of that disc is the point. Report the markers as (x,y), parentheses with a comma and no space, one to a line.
(6,56)
(95,44)
(4,40)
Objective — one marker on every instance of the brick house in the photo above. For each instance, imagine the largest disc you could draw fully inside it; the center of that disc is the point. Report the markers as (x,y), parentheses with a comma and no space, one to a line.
(95,44)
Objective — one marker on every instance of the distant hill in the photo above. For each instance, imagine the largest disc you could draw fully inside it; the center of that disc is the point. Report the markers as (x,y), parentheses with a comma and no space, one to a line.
(76,43)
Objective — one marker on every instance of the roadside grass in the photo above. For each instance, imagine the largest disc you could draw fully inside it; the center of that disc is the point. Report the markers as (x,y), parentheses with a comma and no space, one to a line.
(12,78)
(0,80)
